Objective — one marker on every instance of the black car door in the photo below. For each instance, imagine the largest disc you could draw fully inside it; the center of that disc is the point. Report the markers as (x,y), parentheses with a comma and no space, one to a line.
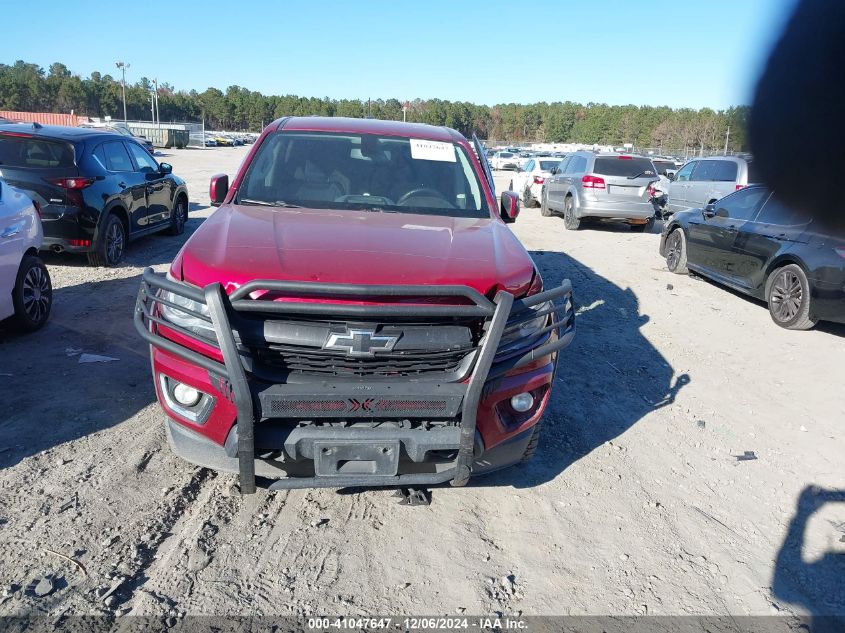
(711,235)
(127,184)
(158,186)
(774,230)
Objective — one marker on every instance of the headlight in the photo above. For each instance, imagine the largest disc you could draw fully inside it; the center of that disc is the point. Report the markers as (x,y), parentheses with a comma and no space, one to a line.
(515,335)
(185,319)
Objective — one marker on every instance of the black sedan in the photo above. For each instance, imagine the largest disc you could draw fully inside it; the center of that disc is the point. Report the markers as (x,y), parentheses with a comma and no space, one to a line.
(751,242)
(96,190)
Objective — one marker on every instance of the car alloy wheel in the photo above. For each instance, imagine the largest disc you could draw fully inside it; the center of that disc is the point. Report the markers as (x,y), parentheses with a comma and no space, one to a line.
(180,218)
(673,249)
(787,296)
(37,294)
(115,242)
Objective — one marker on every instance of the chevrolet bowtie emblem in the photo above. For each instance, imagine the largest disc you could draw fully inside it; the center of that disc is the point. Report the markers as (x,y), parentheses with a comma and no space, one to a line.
(360,342)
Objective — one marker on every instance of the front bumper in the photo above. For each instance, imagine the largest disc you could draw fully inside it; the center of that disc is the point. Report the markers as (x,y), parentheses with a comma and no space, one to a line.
(367,432)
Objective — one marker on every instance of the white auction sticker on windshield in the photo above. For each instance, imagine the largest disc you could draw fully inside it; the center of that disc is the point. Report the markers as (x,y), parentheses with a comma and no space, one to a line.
(432,150)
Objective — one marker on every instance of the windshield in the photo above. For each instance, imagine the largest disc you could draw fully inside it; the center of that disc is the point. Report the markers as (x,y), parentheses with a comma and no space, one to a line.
(363,171)
(548,165)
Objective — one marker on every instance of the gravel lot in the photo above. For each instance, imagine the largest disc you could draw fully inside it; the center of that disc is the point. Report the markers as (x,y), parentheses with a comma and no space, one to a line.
(636,502)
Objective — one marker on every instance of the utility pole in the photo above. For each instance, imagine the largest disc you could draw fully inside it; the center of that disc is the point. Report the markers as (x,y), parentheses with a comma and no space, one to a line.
(123,66)
(158,112)
(727,136)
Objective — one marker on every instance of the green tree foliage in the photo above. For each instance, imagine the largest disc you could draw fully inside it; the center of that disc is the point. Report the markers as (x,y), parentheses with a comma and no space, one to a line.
(29,88)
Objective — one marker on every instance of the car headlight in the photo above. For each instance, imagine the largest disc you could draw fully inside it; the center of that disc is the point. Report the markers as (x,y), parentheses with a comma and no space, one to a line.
(518,331)
(186,319)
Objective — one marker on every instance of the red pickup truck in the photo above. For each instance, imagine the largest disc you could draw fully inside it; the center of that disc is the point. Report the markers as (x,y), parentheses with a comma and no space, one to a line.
(355,313)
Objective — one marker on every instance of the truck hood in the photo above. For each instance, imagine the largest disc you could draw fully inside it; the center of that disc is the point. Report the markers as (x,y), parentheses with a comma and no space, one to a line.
(240,243)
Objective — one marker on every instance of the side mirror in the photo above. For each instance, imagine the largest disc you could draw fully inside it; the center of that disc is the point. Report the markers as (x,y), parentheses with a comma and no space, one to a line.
(509,207)
(165,168)
(671,177)
(218,189)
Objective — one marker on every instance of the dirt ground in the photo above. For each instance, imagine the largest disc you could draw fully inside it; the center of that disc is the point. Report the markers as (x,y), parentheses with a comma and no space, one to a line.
(637,503)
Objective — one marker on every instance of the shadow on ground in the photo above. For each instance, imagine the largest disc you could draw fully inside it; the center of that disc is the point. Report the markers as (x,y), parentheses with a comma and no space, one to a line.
(819,586)
(48,396)
(608,379)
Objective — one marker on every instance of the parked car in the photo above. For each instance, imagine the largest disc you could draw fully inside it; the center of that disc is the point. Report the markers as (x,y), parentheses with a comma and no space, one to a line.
(702,181)
(610,186)
(223,141)
(665,167)
(751,242)
(26,293)
(96,190)
(505,160)
(148,145)
(528,182)
(423,350)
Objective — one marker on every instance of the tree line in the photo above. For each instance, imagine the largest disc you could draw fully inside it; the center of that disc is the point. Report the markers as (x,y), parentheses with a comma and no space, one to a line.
(30,88)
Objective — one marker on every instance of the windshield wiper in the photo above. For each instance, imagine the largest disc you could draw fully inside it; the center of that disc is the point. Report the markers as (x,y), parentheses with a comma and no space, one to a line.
(265,203)
(642,173)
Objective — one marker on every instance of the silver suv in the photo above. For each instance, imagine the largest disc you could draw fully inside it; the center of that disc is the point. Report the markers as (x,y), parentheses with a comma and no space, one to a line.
(702,181)
(611,186)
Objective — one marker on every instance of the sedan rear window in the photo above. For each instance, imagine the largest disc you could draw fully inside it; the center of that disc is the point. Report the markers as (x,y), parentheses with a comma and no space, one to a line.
(626,166)
(20,151)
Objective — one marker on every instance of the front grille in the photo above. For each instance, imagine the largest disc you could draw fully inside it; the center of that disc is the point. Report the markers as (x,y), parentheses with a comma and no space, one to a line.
(329,363)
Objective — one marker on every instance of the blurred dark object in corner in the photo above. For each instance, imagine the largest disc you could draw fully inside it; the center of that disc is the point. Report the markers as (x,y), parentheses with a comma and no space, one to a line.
(797,126)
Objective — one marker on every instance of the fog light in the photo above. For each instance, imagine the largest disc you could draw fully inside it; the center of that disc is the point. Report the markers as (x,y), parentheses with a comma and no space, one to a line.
(185,395)
(522,402)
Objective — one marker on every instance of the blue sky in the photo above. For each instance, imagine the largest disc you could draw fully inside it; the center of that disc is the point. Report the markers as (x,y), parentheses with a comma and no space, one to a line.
(681,53)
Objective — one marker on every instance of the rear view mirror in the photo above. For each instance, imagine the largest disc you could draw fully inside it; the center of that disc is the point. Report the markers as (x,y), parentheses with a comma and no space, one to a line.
(165,168)
(218,188)
(709,210)
(553,171)
(671,177)
(509,206)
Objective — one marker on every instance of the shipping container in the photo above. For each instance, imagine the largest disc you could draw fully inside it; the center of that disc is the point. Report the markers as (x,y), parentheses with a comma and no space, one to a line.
(44,118)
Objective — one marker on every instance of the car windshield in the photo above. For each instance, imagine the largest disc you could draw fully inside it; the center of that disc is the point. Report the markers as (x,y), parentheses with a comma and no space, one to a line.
(627,166)
(548,165)
(364,171)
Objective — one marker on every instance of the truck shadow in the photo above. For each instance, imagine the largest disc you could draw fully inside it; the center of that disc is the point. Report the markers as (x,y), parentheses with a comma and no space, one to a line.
(817,587)
(608,379)
(50,397)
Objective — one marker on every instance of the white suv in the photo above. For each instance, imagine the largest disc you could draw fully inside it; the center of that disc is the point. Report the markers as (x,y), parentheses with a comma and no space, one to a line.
(26,293)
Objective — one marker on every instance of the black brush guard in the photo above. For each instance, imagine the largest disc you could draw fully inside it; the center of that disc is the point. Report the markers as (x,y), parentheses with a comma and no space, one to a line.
(501,315)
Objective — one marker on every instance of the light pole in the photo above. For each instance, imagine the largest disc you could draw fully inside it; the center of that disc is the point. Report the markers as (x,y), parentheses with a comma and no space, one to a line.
(123,66)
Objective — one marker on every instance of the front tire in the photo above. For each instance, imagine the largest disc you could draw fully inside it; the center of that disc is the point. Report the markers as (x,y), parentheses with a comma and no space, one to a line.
(569,220)
(531,447)
(788,296)
(676,252)
(545,211)
(32,295)
(111,247)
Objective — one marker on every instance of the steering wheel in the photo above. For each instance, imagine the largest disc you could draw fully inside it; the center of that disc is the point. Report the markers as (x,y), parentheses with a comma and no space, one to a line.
(420,192)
